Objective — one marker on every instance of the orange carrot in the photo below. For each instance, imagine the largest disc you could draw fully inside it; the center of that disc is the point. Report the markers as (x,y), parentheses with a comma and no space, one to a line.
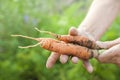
(62,47)
(80,40)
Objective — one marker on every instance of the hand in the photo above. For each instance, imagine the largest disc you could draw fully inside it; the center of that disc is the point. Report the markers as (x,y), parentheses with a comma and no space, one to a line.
(111,55)
(64,58)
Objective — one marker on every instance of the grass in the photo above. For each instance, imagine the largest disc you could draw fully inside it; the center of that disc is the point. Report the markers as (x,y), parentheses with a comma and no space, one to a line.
(21,16)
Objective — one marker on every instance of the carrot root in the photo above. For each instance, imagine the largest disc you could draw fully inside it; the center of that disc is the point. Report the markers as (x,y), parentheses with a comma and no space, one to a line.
(80,40)
(70,45)
(30,46)
(47,32)
(24,37)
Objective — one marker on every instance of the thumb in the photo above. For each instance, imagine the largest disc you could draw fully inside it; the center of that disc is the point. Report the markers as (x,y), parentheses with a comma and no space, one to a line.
(103,45)
(108,44)
(73,31)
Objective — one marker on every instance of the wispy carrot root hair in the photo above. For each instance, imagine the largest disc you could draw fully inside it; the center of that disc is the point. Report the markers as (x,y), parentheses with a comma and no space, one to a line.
(60,47)
(37,39)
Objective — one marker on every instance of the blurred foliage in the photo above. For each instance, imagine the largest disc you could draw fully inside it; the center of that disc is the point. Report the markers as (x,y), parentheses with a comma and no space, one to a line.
(21,16)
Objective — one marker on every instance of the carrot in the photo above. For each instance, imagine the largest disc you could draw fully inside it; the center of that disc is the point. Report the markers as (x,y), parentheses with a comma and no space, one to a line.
(61,47)
(80,40)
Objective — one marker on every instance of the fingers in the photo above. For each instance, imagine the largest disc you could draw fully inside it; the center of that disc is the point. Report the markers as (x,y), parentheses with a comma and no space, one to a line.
(102,44)
(75,59)
(88,66)
(52,59)
(111,55)
(108,44)
(63,59)
(74,32)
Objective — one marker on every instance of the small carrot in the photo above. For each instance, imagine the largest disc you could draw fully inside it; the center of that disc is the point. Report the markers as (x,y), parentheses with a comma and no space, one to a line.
(61,47)
(80,40)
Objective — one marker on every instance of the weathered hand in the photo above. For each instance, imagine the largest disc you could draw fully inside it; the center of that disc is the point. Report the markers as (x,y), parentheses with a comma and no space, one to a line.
(64,58)
(111,55)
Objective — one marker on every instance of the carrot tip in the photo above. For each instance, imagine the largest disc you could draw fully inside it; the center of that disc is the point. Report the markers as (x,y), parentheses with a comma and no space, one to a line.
(24,37)
(22,47)
(42,31)
(14,35)
(39,30)
(47,32)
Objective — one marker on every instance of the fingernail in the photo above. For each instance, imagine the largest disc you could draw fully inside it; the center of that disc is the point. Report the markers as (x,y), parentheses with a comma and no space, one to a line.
(90,69)
(63,59)
(75,60)
(52,59)
(48,66)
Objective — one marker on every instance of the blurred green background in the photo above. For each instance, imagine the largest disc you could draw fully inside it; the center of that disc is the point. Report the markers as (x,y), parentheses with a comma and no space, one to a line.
(21,16)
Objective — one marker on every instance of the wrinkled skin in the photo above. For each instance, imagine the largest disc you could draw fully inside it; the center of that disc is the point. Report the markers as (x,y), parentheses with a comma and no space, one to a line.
(111,55)
(64,58)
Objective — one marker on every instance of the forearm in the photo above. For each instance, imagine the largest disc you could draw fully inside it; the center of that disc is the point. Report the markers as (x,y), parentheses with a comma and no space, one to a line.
(100,17)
